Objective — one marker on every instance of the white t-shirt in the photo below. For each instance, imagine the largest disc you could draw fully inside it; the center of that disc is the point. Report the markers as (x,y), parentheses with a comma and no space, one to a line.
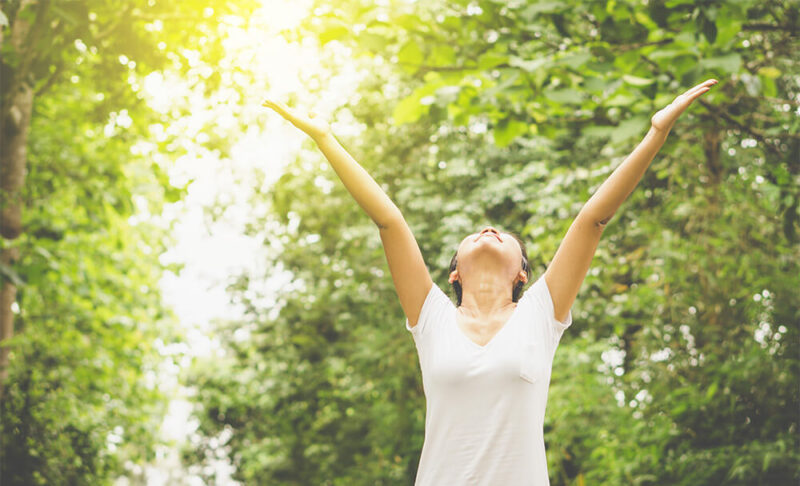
(485,404)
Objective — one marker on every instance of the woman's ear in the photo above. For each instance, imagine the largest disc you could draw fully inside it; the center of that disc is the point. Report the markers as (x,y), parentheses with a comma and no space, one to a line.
(523,276)
(453,276)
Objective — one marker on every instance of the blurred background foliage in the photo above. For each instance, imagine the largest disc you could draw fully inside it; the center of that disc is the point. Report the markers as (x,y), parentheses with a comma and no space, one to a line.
(80,398)
(681,366)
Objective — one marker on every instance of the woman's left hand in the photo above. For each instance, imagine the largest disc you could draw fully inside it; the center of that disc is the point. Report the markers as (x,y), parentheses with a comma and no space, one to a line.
(313,125)
(665,118)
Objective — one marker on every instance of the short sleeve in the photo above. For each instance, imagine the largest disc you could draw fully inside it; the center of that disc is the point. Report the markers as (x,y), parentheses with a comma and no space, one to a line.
(540,294)
(433,309)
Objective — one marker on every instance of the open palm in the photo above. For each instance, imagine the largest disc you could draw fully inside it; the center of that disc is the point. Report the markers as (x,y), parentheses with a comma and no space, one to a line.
(665,118)
(314,126)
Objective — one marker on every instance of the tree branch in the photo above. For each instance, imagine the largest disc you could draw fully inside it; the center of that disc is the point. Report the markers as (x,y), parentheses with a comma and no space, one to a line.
(768,27)
(108,31)
(757,134)
(52,79)
(628,47)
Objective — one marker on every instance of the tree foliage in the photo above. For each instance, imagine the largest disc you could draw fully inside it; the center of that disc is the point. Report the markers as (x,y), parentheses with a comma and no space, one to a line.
(679,368)
(680,365)
(80,397)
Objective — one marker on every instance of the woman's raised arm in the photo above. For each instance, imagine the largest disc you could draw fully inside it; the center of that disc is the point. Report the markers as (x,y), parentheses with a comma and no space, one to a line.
(566,272)
(412,281)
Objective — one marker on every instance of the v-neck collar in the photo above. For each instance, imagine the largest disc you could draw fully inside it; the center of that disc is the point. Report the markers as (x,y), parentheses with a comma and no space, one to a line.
(493,338)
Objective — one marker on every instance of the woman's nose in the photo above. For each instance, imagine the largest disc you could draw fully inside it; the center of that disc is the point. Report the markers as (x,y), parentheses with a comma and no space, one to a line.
(489,228)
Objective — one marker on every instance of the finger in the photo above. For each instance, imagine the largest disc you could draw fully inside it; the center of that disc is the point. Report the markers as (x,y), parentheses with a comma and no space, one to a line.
(268,102)
(281,108)
(688,97)
(705,84)
(697,94)
(701,91)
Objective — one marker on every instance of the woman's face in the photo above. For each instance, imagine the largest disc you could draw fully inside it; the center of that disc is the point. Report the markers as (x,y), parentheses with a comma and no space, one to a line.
(489,248)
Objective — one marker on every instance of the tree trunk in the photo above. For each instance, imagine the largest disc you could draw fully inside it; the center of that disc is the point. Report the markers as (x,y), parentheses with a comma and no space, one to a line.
(15,117)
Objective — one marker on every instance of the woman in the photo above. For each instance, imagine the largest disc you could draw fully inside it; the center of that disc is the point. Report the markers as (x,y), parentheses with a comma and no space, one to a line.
(486,361)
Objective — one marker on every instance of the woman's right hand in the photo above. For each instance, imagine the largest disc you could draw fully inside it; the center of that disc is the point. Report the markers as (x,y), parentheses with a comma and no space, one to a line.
(314,126)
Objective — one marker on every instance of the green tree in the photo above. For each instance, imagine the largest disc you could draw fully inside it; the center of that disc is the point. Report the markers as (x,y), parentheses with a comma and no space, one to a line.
(80,313)
(679,367)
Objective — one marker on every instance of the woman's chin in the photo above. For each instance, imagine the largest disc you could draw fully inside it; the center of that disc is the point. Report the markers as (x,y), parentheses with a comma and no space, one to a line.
(488,253)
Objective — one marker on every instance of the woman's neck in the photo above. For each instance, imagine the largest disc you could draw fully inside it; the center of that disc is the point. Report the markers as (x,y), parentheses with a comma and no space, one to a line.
(485,294)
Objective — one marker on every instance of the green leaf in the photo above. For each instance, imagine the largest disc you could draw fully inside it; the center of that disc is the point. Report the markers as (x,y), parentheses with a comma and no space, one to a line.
(529,65)
(728,29)
(333,33)
(671,53)
(768,86)
(709,28)
(598,131)
(575,61)
(620,100)
(410,57)
(596,84)
(409,109)
(508,130)
(374,42)
(637,81)
(632,127)
(407,21)
(770,72)
(729,63)
(3,19)
(566,95)
(491,59)
(712,390)
(532,11)
(443,55)
(504,84)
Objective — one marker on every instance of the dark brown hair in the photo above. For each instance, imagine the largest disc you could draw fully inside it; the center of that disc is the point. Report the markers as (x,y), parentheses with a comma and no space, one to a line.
(516,292)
